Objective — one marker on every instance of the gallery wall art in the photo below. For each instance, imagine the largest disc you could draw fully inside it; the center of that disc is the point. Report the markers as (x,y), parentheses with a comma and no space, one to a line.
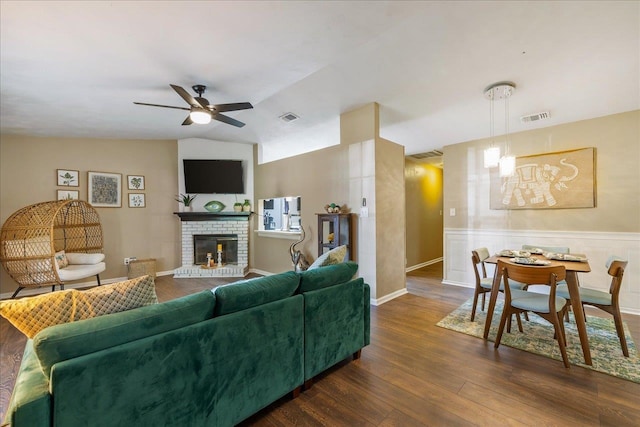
(104,189)
(560,180)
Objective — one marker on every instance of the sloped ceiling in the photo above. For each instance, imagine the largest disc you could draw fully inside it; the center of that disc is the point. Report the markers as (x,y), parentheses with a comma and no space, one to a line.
(73,69)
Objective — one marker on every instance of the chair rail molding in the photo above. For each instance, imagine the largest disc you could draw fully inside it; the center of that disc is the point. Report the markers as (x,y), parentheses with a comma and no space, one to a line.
(597,246)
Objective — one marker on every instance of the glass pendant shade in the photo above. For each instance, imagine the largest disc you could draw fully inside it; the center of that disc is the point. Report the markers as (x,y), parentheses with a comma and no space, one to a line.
(507,166)
(200,117)
(491,157)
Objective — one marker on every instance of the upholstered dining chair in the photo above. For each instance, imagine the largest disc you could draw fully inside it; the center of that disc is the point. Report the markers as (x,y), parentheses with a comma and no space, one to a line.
(484,283)
(550,307)
(606,301)
(556,249)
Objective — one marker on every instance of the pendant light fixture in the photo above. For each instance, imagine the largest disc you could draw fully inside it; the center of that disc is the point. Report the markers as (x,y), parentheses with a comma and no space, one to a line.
(491,154)
(506,163)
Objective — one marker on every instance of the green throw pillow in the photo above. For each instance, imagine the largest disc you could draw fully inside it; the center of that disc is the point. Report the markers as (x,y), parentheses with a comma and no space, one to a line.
(330,275)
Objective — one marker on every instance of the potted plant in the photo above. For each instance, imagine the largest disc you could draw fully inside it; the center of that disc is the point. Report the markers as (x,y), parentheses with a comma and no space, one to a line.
(246,206)
(237,206)
(186,200)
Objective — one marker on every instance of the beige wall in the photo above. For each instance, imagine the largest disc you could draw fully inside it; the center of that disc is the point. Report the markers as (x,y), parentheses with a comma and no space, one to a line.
(361,124)
(28,175)
(424,198)
(617,142)
(319,177)
(390,222)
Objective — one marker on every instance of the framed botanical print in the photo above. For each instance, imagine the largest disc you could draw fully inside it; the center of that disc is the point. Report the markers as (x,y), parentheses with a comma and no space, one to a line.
(135,182)
(104,189)
(68,194)
(67,178)
(137,200)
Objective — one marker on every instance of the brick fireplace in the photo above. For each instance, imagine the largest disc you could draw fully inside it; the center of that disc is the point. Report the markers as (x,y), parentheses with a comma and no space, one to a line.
(230,230)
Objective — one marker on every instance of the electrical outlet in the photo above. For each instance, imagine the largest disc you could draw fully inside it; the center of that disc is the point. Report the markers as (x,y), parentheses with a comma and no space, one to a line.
(126,261)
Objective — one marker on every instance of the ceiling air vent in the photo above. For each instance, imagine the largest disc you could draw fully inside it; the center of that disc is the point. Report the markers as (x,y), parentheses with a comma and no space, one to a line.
(428,154)
(288,117)
(535,117)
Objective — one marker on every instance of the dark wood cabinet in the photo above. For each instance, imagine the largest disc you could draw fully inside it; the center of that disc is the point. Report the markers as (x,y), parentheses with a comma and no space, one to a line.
(335,230)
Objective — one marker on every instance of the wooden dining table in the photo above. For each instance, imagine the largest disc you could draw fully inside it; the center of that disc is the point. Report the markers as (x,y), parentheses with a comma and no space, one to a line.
(572,268)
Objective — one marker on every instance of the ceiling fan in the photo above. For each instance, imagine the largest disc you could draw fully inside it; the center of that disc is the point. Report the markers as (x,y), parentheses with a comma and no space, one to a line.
(200,111)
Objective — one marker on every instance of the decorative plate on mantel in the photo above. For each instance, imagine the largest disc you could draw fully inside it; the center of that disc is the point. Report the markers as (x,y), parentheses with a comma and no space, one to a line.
(214,206)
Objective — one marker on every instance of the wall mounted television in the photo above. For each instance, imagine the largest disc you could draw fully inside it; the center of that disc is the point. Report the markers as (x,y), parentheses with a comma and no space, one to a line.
(213,176)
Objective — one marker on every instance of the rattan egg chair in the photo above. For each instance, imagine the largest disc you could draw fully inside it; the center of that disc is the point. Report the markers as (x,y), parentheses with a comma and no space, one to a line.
(30,238)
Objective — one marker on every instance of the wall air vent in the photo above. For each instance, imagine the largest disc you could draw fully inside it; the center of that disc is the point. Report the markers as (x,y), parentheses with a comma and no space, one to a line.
(535,117)
(289,117)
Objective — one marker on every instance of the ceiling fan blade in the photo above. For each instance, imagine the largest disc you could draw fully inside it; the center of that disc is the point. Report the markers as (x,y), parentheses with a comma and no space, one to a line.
(226,119)
(163,106)
(187,97)
(221,108)
(187,121)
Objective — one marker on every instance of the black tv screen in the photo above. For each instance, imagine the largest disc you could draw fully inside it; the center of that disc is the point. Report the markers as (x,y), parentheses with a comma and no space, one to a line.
(213,176)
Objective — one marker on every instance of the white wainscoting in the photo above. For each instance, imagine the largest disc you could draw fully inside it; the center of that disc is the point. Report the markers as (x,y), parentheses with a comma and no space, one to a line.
(597,246)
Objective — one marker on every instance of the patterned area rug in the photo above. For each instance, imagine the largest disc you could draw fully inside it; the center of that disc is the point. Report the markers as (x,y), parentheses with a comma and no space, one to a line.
(537,338)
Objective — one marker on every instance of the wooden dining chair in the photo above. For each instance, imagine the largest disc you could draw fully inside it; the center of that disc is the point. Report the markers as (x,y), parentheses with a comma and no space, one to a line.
(555,249)
(550,307)
(484,283)
(606,301)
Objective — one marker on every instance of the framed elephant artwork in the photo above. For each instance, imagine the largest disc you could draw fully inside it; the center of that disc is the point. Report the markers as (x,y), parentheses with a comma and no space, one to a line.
(561,180)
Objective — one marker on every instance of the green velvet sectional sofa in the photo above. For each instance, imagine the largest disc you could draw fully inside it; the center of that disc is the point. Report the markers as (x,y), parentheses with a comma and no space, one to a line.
(208,359)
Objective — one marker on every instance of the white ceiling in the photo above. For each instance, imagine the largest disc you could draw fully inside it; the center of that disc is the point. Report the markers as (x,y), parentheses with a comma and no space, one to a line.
(73,69)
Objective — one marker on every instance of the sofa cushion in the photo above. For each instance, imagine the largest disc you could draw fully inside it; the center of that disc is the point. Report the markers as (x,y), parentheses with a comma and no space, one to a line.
(33,314)
(63,342)
(253,292)
(329,275)
(334,256)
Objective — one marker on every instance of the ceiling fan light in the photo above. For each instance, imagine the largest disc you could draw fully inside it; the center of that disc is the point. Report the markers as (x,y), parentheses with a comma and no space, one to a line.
(200,117)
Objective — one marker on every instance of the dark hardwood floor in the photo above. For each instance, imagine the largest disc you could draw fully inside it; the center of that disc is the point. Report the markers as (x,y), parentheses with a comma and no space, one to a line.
(416,374)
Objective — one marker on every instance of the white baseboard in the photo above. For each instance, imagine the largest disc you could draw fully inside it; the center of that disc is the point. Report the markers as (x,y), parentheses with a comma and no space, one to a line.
(261,272)
(389,297)
(424,264)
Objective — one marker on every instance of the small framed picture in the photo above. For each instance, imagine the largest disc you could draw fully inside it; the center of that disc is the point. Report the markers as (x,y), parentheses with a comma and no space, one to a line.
(137,200)
(68,178)
(68,194)
(104,189)
(135,182)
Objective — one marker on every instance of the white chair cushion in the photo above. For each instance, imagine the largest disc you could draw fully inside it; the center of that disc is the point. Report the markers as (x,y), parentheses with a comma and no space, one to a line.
(80,271)
(82,258)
